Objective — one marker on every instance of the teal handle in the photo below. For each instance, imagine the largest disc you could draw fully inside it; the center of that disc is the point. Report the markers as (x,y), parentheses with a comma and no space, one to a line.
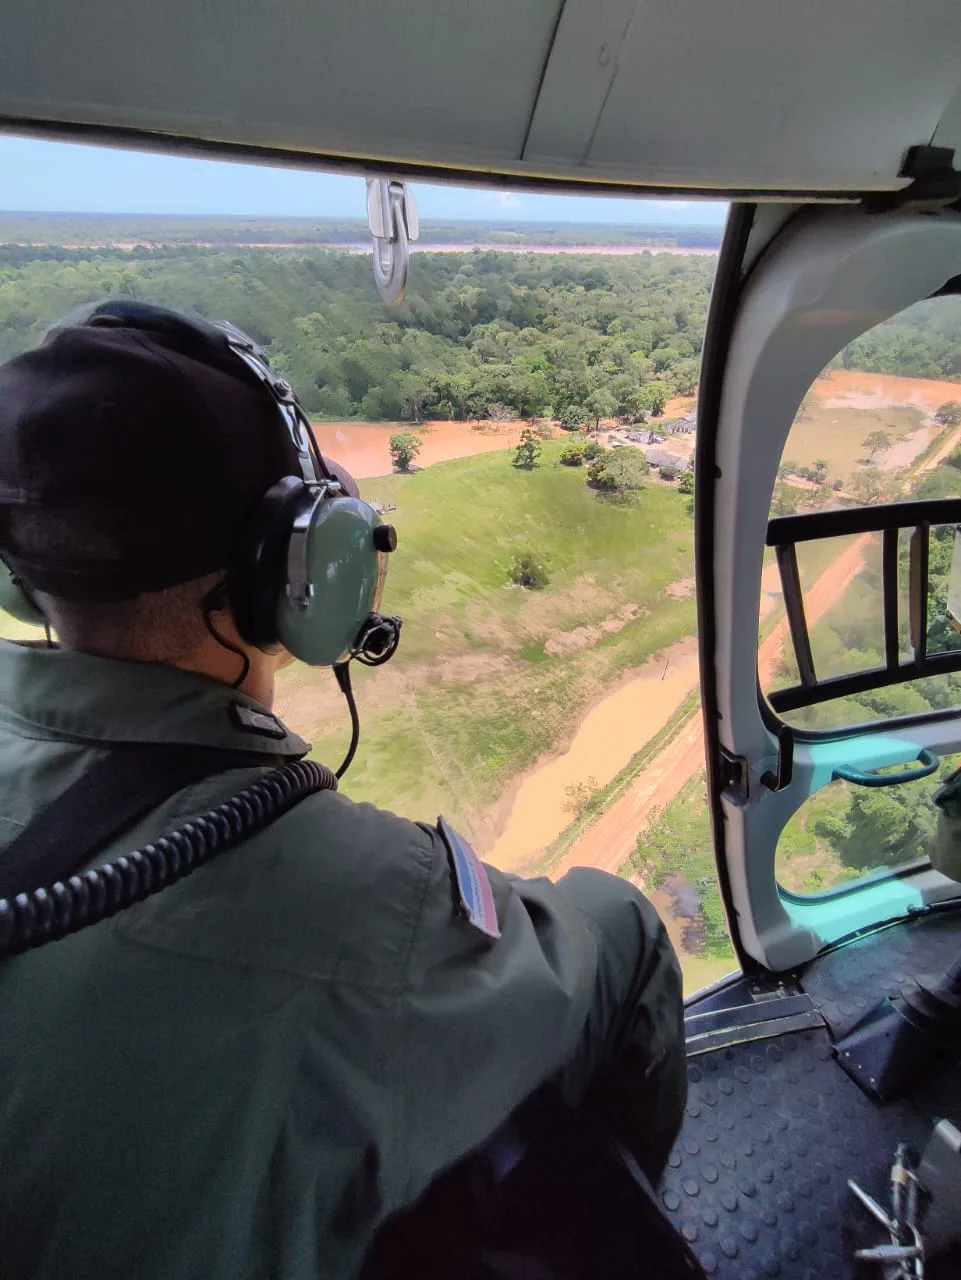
(929,762)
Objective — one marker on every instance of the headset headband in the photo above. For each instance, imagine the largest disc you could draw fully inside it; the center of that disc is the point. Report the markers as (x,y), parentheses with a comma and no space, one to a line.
(281,392)
(223,336)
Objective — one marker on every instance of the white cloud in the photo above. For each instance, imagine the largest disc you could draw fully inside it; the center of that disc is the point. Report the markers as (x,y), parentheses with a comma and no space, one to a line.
(503,199)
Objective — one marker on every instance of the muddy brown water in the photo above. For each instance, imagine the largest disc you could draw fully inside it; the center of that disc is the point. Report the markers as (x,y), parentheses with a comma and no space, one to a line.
(614,730)
(364,447)
(852,389)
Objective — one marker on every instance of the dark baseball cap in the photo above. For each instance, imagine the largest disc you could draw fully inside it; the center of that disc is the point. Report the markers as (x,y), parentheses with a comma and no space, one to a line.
(141,454)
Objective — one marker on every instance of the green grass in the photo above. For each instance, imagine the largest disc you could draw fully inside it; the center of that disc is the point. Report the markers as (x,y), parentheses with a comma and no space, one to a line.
(490,676)
(487,689)
(460,523)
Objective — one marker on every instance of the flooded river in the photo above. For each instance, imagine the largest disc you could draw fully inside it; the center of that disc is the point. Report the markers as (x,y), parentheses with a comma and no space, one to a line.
(364,447)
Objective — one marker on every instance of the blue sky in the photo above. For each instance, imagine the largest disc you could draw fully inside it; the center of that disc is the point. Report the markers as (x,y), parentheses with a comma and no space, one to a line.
(63,177)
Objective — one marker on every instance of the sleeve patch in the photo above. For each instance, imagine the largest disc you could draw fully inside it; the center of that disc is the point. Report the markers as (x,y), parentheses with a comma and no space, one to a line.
(474,898)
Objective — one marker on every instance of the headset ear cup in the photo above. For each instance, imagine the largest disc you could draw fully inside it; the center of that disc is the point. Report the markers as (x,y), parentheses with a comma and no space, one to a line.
(257,575)
(347,571)
(16,601)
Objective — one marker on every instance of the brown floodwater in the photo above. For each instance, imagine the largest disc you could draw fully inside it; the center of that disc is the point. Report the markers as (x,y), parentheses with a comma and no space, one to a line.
(364,447)
(611,732)
(851,389)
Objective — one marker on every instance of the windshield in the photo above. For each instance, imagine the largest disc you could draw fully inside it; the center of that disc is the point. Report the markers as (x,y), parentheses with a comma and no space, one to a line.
(526,419)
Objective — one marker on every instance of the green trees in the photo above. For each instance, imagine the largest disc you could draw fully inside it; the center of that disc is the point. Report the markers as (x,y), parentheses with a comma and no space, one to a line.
(942,482)
(572,456)
(404,448)
(653,397)
(867,487)
(600,404)
(881,827)
(877,442)
(785,500)
(619,471)
(541,336)
(572,418)
(529,570)
(949,413)
(528,451)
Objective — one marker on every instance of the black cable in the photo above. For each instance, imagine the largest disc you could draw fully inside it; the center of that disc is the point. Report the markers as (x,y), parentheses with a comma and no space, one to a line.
(342,674)
(216,598)
(44,915)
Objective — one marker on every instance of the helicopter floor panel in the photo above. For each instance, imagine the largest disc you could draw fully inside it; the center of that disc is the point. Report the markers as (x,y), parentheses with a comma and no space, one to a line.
(774,1128)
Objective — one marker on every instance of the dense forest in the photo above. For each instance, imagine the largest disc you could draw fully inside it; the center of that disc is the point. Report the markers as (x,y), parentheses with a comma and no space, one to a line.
(113,228)
(575,337)
(481,333)
(922,342)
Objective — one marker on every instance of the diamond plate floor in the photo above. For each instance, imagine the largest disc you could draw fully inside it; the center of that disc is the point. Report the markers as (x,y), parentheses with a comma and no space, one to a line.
(757,1180)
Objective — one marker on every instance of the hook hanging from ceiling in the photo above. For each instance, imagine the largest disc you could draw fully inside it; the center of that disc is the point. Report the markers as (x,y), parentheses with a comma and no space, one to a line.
(392,218)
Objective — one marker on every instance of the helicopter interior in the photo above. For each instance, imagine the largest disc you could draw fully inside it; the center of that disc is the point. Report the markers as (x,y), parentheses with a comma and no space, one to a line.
(835,129)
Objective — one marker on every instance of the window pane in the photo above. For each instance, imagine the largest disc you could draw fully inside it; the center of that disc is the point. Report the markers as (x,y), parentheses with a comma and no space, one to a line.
(844,832)
(882,423)
(544,697)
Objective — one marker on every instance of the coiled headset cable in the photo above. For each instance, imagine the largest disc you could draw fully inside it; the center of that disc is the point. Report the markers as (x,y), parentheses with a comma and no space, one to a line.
(37,916)
(44,915)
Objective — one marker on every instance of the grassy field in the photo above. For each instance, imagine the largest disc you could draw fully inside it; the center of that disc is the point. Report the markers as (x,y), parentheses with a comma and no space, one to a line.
(490,676)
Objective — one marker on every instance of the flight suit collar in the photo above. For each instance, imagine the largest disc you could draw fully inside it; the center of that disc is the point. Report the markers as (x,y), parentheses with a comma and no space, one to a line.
(62,695)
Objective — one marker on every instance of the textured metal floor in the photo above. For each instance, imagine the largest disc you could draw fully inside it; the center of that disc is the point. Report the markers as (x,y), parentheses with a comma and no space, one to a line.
(757,1181)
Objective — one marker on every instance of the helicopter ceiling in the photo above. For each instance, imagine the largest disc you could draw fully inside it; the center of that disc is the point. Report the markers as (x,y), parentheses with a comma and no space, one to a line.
(739,97)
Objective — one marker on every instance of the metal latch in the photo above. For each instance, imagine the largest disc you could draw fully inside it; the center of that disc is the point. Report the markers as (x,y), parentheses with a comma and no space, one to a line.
(734,776)
(393,222)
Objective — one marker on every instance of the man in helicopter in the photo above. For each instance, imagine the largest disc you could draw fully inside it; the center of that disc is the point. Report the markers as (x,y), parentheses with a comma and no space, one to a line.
(246,1073)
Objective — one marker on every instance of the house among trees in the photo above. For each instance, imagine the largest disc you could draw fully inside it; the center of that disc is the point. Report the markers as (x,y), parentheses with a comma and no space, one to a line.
(664,458)
(680,426)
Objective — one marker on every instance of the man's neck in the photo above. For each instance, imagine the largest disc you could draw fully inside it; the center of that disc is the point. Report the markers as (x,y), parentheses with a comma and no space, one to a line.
(225,666)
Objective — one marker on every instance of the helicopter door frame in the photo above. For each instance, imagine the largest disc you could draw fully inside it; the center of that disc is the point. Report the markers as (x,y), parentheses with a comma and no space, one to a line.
(827,276)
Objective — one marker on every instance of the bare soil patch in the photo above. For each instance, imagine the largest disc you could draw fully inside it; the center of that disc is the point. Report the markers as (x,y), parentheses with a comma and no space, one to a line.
(561,643)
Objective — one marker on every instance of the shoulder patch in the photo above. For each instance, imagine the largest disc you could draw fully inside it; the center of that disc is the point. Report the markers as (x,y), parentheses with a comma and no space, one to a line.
(252,721)
(474,898)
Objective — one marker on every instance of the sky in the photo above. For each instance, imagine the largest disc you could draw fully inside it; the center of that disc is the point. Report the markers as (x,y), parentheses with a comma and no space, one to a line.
(60,177)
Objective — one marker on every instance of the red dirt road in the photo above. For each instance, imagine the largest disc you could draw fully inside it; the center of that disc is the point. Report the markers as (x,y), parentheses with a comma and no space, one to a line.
(610,841)
(952,439)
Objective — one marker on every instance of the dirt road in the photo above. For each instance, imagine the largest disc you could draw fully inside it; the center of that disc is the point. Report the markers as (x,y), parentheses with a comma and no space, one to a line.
(951,441)
(609,842)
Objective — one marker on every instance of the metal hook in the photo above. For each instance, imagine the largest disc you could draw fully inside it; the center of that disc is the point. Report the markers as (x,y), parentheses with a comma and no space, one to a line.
(392,218)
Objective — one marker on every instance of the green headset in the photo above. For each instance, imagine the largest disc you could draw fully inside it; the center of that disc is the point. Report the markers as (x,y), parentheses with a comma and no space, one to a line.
(308,570)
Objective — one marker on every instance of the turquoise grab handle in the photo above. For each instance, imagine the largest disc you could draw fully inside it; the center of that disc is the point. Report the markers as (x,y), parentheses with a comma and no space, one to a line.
(929,762)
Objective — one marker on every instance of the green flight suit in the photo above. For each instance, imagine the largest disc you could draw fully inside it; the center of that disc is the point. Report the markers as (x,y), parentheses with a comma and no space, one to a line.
(243,1075)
